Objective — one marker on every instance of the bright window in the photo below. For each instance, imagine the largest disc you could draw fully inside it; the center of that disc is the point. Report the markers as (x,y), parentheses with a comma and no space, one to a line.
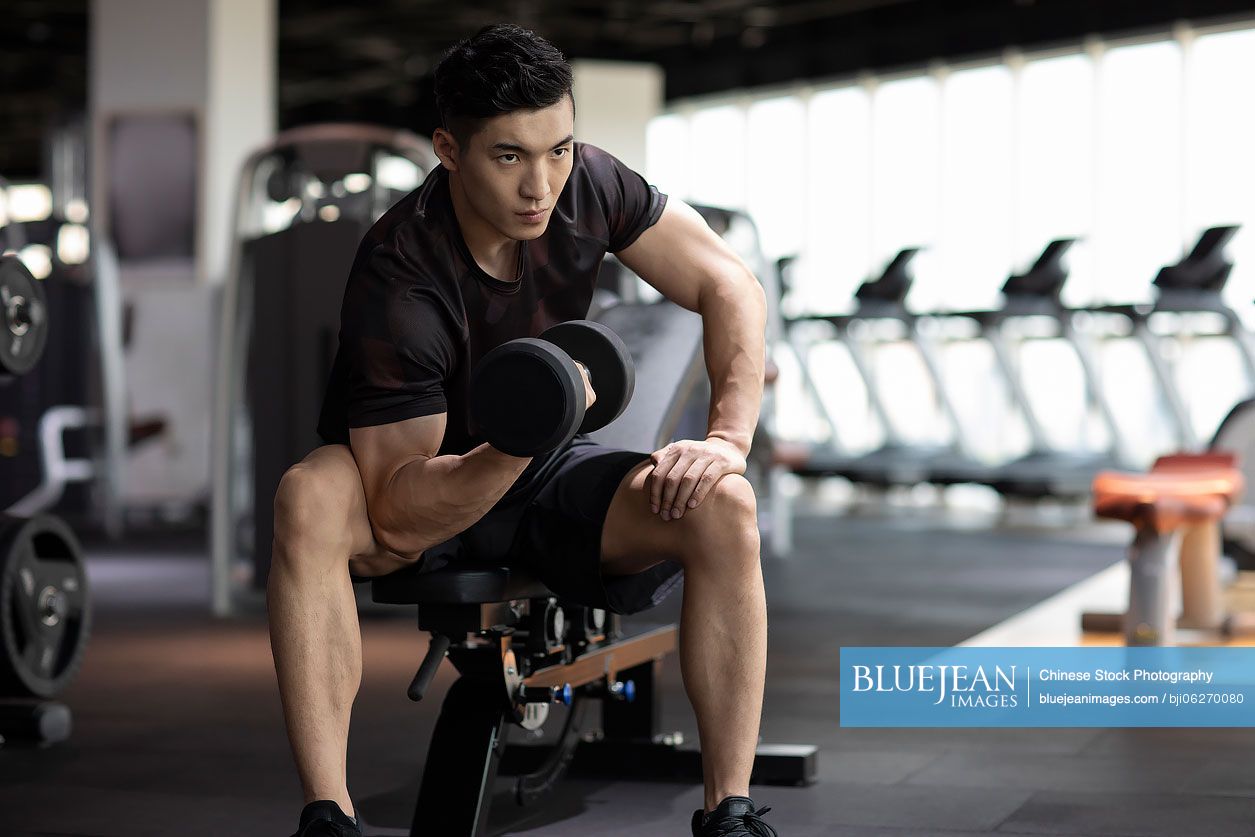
(974,245)
(667,155)
(717,158)
(776,144)
(906,157)
(1220,136)
(1140,222)
(838,217)
(1054,165)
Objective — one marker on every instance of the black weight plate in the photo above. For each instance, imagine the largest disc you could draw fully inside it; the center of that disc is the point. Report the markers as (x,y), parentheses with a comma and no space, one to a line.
(526,397)
(23,318)
(45,613)
(610,367)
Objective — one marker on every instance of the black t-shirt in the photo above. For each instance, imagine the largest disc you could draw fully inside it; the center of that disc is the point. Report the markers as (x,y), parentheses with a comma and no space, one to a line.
(419,313)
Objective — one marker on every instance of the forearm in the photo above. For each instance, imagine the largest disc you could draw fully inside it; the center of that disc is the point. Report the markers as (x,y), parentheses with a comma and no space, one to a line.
(430,500)
(734,319)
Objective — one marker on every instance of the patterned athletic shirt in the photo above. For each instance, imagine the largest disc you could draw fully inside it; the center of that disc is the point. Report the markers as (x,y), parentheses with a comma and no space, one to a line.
(419,313)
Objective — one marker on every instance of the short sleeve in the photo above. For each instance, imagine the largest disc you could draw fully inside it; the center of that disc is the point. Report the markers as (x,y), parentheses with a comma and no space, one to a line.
(396,333)
(631,204)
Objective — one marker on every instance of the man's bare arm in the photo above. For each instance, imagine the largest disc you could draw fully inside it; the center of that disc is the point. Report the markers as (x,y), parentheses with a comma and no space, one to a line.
(693,267)
(417,499)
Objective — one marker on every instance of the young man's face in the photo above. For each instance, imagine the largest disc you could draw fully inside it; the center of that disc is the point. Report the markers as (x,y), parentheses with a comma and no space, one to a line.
(515,166)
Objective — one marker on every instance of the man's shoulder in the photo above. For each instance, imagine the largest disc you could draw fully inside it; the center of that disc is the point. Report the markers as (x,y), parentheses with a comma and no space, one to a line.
(598,175)
(417,209)
(596,162)
(411,238)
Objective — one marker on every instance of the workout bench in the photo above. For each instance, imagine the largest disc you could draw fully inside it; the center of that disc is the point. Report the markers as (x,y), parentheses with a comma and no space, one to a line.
(518,650)
(1175,510)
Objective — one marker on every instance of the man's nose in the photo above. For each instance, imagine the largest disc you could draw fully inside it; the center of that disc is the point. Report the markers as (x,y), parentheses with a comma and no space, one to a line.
(536,184)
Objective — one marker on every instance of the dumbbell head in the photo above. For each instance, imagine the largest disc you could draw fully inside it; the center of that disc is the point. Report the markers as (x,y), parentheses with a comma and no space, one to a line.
(23,318)
(609,363)
(527,397)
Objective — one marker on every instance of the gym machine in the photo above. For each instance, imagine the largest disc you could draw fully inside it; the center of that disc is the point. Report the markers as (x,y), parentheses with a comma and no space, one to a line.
(1189,290)
(303,205)
(1236,436)
(45,613)
(1044,471)
(895,462)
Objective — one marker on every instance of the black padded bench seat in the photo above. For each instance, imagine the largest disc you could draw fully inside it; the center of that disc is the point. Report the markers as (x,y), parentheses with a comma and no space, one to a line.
(465,582)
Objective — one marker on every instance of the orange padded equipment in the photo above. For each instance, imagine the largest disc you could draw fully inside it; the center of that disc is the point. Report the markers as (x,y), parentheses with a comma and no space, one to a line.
(1166,499)
(1195,461)
(1175,510)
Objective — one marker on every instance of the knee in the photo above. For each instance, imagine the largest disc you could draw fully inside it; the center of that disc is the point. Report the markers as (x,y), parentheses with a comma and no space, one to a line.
(732,503)
(309,507)
(725,525)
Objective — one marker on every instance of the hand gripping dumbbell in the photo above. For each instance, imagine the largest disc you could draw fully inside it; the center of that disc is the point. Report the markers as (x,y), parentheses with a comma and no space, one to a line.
(527,395)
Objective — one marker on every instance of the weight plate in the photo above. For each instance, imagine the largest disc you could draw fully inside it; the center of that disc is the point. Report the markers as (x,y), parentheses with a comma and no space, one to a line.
(23,318)
(526,397)
(610,367)
(45,614)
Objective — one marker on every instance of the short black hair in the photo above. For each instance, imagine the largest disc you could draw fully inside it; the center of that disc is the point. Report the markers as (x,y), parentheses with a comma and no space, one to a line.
(501,68)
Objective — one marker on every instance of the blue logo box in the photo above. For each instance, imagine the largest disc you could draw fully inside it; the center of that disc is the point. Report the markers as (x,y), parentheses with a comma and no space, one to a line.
(1048,687)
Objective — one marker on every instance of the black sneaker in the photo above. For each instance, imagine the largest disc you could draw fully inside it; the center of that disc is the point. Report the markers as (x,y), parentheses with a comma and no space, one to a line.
(735,817)
(324,818)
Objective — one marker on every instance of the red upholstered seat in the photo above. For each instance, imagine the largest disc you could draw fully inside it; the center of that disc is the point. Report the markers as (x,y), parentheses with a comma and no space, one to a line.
(1177,493)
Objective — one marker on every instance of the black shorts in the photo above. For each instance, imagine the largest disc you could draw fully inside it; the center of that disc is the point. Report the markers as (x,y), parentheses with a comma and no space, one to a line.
(549,524)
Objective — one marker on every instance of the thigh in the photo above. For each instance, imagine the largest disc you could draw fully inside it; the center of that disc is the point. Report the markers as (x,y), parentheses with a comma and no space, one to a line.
(561,534)
(631,538)
(635,539)
(333,466)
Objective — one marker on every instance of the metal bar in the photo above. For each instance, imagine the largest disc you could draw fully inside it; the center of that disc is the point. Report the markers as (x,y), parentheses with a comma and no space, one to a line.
(1187,439)
(808,382)
(1015,385)
(1094,389)
(928,353)
(892,436)
(608,660)
(462,761)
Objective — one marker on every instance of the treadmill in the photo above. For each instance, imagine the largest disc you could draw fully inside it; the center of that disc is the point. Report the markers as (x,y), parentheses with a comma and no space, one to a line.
(1194,285)
(896,461)
(1045,471)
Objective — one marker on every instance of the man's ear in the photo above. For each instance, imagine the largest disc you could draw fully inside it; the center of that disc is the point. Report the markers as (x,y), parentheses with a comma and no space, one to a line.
(446,148)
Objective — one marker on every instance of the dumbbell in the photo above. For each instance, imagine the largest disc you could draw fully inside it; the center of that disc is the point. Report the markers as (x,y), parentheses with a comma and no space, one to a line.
(527,395)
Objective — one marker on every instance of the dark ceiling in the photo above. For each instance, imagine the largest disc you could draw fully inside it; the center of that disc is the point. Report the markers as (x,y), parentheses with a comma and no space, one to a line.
(372,61)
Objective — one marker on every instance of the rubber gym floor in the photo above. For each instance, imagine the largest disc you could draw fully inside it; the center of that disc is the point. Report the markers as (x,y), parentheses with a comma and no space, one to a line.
(178,729)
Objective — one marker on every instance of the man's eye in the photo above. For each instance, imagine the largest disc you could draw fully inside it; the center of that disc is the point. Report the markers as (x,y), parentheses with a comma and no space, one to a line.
(562,151)
(512,157)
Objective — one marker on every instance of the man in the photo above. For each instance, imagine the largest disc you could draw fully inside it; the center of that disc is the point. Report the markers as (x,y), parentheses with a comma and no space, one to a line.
(502,241)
